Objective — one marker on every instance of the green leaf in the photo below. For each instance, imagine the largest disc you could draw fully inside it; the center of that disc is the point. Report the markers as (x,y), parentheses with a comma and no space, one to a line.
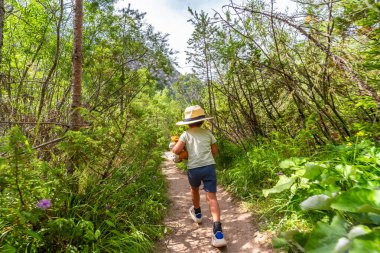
(328,238)
(316,202)
(365,218)
(283,184)
(312,171)
(375,218)
(34,234)
(358,200)
(366,243)
(278,242)
(287,164)
(358,230)
(345,170)
(328,180)
(89,235)
(85,249)
(342,245)
(97,234)
(110,223)
(8,249)
(116,232)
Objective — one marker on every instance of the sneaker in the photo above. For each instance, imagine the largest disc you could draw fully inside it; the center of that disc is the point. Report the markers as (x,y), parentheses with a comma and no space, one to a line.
(196,217)
(218,240)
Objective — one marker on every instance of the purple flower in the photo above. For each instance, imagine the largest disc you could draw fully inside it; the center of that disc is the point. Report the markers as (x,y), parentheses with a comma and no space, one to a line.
(108,207)
(279,173)
(44,204)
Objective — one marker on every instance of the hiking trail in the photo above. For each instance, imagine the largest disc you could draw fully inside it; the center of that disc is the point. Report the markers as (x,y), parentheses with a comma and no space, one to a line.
(186,236)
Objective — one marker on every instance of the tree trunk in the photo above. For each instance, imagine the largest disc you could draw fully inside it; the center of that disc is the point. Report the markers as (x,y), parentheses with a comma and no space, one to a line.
(2,14)
(76,87)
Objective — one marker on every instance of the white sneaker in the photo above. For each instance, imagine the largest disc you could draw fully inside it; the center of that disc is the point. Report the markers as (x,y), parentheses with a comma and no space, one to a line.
(218,240)
(196,217)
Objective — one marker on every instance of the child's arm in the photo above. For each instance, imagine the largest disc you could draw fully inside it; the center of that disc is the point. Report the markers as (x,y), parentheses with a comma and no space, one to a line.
(214,150)
(178,147)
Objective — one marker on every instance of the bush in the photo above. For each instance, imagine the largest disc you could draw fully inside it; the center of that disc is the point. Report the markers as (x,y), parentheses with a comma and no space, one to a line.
(292,189)
(100,208)
(341,187)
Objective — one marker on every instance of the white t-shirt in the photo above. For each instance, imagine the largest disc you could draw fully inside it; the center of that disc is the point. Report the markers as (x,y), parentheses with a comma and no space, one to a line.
(198,143)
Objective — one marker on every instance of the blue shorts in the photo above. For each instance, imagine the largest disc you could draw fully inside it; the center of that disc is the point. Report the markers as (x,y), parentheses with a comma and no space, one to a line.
(205,174)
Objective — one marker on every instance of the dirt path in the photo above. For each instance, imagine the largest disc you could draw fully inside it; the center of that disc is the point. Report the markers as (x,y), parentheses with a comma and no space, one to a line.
(187,236)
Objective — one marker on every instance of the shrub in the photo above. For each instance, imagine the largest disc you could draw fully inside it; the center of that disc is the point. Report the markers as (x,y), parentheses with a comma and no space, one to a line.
(111,208)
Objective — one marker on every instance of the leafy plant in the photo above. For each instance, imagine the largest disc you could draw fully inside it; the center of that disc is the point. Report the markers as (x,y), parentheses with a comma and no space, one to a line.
(113,208)
(346,189)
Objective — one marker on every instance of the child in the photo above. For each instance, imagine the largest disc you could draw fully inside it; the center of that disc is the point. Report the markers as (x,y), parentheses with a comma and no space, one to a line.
(201,148)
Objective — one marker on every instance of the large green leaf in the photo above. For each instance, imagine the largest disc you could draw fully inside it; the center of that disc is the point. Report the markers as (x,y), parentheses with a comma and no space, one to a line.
(278,242)
(328,238)
(312,171)
(8,249)
(316,202)
(358,200)
(375,218)
(345,170)
(283,184)
(357,231)
(287,164)
(366,243)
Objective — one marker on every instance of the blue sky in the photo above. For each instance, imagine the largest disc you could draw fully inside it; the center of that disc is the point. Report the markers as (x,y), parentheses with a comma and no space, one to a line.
(170,16)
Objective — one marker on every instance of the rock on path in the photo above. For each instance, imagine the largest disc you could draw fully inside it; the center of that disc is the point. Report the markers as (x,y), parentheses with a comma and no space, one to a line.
(186,236)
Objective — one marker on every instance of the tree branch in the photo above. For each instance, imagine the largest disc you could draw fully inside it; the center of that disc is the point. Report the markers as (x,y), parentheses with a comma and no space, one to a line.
(33,123)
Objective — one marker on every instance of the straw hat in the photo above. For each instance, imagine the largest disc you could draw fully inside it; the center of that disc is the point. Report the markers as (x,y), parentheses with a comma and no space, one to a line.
(193,114)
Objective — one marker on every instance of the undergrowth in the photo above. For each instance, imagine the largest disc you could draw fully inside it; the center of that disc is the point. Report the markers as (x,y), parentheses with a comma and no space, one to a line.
(102,207)
(309,194)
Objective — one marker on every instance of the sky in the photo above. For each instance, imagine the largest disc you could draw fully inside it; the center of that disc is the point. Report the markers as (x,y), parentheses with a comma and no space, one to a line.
(170,16)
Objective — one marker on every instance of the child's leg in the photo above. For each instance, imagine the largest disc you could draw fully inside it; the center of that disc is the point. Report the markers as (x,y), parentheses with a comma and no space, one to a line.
(209,182)
(213,205)
(195,197)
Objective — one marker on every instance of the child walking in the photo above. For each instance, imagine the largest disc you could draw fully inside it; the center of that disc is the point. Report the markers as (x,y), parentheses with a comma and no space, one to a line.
(201,147)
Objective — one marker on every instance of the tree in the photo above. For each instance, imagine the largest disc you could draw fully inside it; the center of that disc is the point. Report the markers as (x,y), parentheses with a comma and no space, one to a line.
(76,87)
(2,16)
(201,44)
(275,72)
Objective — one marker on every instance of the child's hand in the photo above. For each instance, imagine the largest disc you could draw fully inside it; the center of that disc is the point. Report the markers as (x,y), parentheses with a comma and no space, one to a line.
(183,154)
(174,140)
(171,145)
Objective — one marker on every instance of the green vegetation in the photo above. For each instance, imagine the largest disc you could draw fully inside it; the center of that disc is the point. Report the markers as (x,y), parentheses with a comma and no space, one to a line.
(295,100)
(114,201)
(103,213)
(296,113)
(99,188)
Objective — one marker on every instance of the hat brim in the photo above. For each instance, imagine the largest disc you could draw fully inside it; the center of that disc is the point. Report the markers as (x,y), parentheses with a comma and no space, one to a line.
(181,123)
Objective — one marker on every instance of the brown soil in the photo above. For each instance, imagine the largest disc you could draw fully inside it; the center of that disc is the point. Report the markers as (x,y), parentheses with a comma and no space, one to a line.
(184,235)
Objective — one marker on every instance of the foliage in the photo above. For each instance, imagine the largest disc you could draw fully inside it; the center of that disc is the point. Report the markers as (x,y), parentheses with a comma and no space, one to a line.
(344,189)
(294,99)
(109,210)
(115,198)
(295,103)
(266,72)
